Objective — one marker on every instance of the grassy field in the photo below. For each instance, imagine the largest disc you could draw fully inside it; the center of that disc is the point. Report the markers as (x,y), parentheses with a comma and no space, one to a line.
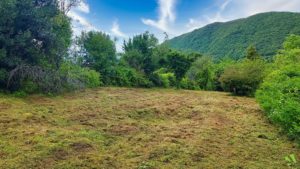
(139,128)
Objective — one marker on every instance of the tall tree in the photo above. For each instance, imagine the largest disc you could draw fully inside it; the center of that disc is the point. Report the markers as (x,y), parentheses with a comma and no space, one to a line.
(252,53)
(139,49)
(32,33)
(98,52)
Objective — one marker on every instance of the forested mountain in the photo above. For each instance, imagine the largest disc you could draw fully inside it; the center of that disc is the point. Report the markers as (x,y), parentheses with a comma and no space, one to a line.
(265,31)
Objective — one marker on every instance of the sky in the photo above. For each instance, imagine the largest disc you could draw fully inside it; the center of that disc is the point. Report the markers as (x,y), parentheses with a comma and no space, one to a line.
(125,18)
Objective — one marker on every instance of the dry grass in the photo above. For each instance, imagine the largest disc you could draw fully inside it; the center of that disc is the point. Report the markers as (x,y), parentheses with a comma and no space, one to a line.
(138,128)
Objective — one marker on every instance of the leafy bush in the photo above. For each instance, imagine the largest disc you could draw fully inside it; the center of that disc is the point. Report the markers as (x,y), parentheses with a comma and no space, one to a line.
(243,78)
(129,77)
(219,68)
(78,77)
(202,73)
(163,78)
(29,87)
(279,96)
(185,83)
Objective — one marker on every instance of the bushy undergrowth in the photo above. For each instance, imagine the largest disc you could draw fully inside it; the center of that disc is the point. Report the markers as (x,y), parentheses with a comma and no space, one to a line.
(80,77)
(243,78)
(163,78)
(279,96)
(129,77)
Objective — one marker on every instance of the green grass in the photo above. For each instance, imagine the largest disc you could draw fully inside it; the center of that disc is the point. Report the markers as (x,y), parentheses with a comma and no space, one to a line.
(139,128)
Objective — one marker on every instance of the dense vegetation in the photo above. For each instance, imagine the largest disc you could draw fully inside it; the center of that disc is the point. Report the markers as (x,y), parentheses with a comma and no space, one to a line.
(279,94)
(265,31)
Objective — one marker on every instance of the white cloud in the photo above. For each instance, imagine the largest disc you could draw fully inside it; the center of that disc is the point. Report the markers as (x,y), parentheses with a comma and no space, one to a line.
(167,15)
(83,7)
(257,6)
(233,9)
(79,22)
(115,30)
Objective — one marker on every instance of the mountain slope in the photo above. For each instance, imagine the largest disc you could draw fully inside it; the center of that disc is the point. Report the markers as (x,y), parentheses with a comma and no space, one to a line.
(266,31)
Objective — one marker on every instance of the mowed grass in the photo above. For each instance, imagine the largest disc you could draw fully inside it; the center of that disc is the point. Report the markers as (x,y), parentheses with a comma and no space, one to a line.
(139,128)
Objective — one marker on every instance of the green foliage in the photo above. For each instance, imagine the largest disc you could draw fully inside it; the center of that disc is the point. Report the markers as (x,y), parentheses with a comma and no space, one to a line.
(185,83)
(266,31)
(179,63)
(219,69)
(291,160)
(80,77)
(252,53)
(244,77)
(35,35)
(163,78)
(129,77)
(279,95)
(29,87)
(98,52)
(139,51)
(202,73)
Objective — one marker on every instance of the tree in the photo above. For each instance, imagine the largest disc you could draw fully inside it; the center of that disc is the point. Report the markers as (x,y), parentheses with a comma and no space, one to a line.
(34,36)
(66,5)
(179,63)
(98,52)
(243,78)
(202,73)
(252,53)
(139,49)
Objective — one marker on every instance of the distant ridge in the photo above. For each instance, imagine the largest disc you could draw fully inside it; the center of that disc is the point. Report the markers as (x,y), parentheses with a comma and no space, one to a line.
(266,31)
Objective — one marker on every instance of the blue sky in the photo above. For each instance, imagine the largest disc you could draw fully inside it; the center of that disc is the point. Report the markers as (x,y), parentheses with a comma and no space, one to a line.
(125,18)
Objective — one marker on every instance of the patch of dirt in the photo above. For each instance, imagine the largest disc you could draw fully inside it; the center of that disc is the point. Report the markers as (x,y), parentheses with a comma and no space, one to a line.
(60,154)
(81,147)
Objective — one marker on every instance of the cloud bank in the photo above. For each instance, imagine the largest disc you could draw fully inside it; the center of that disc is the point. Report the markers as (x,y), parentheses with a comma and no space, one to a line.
(115,30)
(79,22)
(167,15)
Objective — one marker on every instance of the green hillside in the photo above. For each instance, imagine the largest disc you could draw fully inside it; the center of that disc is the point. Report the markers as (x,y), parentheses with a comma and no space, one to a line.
(266,31)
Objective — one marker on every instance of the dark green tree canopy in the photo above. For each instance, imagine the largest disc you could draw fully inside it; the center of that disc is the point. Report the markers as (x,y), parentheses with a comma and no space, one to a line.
(252,53)
(33,33)
(139,49)
(98,52)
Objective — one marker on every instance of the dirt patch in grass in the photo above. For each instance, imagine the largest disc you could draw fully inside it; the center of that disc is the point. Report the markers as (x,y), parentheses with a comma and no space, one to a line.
(81,147)
(139,128)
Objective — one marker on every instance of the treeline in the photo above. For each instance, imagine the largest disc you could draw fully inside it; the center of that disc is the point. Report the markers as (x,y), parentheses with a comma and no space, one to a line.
(39,55)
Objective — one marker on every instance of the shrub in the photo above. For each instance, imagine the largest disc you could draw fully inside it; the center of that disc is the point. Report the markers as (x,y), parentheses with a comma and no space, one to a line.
(129,77)
(78,77)
(202,73)
(29,87)
(185,83)
(243,78)
(163,78)
(219,70)
(279,96)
